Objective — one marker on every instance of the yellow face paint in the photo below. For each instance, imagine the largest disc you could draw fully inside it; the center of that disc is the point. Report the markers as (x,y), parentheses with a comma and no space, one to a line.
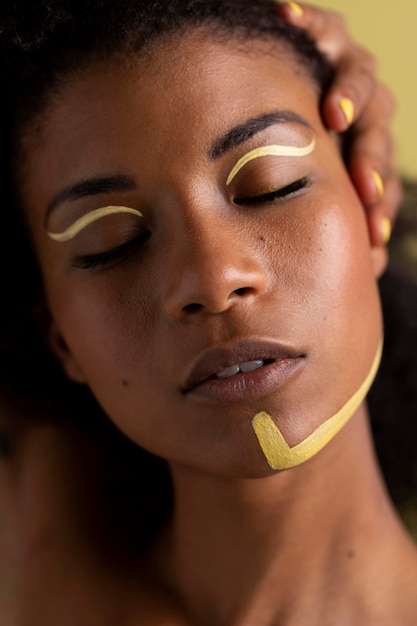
(276,450)
(273,150)
(88,219)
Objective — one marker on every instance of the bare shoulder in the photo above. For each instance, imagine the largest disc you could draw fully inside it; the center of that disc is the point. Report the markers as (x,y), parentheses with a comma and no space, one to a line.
(58,546)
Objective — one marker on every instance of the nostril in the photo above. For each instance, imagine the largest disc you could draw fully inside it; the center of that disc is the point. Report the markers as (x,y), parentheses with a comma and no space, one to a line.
(193,307)
(241,291)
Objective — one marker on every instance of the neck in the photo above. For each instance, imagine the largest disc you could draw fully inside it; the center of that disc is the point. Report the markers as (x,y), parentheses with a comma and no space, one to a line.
(232,543)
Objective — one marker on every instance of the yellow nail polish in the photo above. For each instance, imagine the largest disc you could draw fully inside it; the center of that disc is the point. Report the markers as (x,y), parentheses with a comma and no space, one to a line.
(295,8)
(386,229)
(348,109)
(378,183)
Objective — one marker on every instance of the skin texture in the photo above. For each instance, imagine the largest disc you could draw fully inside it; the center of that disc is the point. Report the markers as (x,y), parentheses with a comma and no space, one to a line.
(293,151)
(88,219)
(274,446)
(207,269)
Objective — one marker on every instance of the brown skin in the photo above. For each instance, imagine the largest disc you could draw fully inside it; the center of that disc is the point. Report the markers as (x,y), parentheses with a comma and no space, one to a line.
(67,521)
(317,542)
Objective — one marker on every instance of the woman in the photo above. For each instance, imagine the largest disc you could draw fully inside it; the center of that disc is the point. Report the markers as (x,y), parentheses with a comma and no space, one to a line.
(213,284)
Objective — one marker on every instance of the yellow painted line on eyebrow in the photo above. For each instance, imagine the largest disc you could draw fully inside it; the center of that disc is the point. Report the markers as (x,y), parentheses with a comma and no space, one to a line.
(89,218)
(272,150)
(276,450)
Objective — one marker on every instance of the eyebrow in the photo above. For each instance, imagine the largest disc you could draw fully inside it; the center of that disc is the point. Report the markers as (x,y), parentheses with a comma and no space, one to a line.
(241,133)
(91,187)
(226,142)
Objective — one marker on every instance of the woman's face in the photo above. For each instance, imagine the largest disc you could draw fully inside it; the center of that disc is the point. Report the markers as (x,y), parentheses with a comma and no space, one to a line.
(223,265)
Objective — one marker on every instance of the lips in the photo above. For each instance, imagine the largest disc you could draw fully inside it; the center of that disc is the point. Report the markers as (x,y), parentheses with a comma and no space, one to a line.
(247,370)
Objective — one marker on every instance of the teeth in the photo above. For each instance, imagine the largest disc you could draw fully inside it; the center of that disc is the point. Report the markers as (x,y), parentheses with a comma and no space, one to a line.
(229,371)
(249,366)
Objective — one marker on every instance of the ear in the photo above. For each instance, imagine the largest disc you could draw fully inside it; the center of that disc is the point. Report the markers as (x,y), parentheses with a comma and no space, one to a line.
(57,343)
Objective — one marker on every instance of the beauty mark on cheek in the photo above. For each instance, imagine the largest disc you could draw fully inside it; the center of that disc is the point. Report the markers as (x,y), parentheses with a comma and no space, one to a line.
(88,219)
(276,450)
(272,150)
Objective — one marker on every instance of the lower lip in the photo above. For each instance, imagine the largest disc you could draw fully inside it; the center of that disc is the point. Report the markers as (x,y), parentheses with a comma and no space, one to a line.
(247,386)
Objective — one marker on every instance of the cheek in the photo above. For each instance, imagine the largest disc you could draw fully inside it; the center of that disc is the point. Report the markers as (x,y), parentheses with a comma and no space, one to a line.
(317,248)
(339,259)
(325,271)
(349,285)
(324,265)
(105,323)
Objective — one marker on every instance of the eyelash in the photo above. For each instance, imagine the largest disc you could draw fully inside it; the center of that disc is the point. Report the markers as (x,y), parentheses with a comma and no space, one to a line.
(115,255)
(112,256)
(284,192)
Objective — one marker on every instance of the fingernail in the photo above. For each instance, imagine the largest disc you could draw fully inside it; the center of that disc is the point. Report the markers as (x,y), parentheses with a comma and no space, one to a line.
(295,8)
(386,229)
(378,183)
(348,109)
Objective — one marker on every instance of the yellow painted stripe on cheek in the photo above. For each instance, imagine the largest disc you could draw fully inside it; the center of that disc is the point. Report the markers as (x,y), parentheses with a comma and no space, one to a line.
(272,150)
(88,219)
(276,450)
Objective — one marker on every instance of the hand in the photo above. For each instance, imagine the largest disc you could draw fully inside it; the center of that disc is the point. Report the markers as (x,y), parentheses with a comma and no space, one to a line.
(357,100)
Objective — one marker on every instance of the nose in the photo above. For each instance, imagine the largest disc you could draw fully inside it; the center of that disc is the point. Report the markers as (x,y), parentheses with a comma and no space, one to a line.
(214,271)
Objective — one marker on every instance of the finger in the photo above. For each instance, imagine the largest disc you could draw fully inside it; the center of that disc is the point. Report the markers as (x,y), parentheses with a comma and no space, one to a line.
(381,213)
(370,99)
(372,183)
(356,97)
(380,190)
(371,158)
(379,109)
(393,198)
(371,163)
(379,225)
(326,27)
(352,88)
(356,67)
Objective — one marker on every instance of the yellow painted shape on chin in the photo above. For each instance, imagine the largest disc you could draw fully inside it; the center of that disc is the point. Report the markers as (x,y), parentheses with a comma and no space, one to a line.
(272,150)
(276,450)
(88,219)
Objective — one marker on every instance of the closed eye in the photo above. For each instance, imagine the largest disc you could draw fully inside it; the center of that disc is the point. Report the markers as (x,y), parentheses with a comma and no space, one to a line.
(284,192)
(111,257)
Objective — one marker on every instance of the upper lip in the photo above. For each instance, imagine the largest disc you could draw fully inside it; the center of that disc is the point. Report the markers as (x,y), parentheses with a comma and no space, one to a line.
(214,360)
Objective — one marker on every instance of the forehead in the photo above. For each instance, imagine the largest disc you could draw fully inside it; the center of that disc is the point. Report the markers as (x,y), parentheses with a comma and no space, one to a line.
(192,71)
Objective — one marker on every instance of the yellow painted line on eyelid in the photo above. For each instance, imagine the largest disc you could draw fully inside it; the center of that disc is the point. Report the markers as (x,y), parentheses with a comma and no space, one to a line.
(276,450)
(89,218)
(272,150)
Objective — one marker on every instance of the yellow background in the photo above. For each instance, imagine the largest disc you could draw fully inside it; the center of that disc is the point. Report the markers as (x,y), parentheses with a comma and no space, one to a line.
(388,28)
